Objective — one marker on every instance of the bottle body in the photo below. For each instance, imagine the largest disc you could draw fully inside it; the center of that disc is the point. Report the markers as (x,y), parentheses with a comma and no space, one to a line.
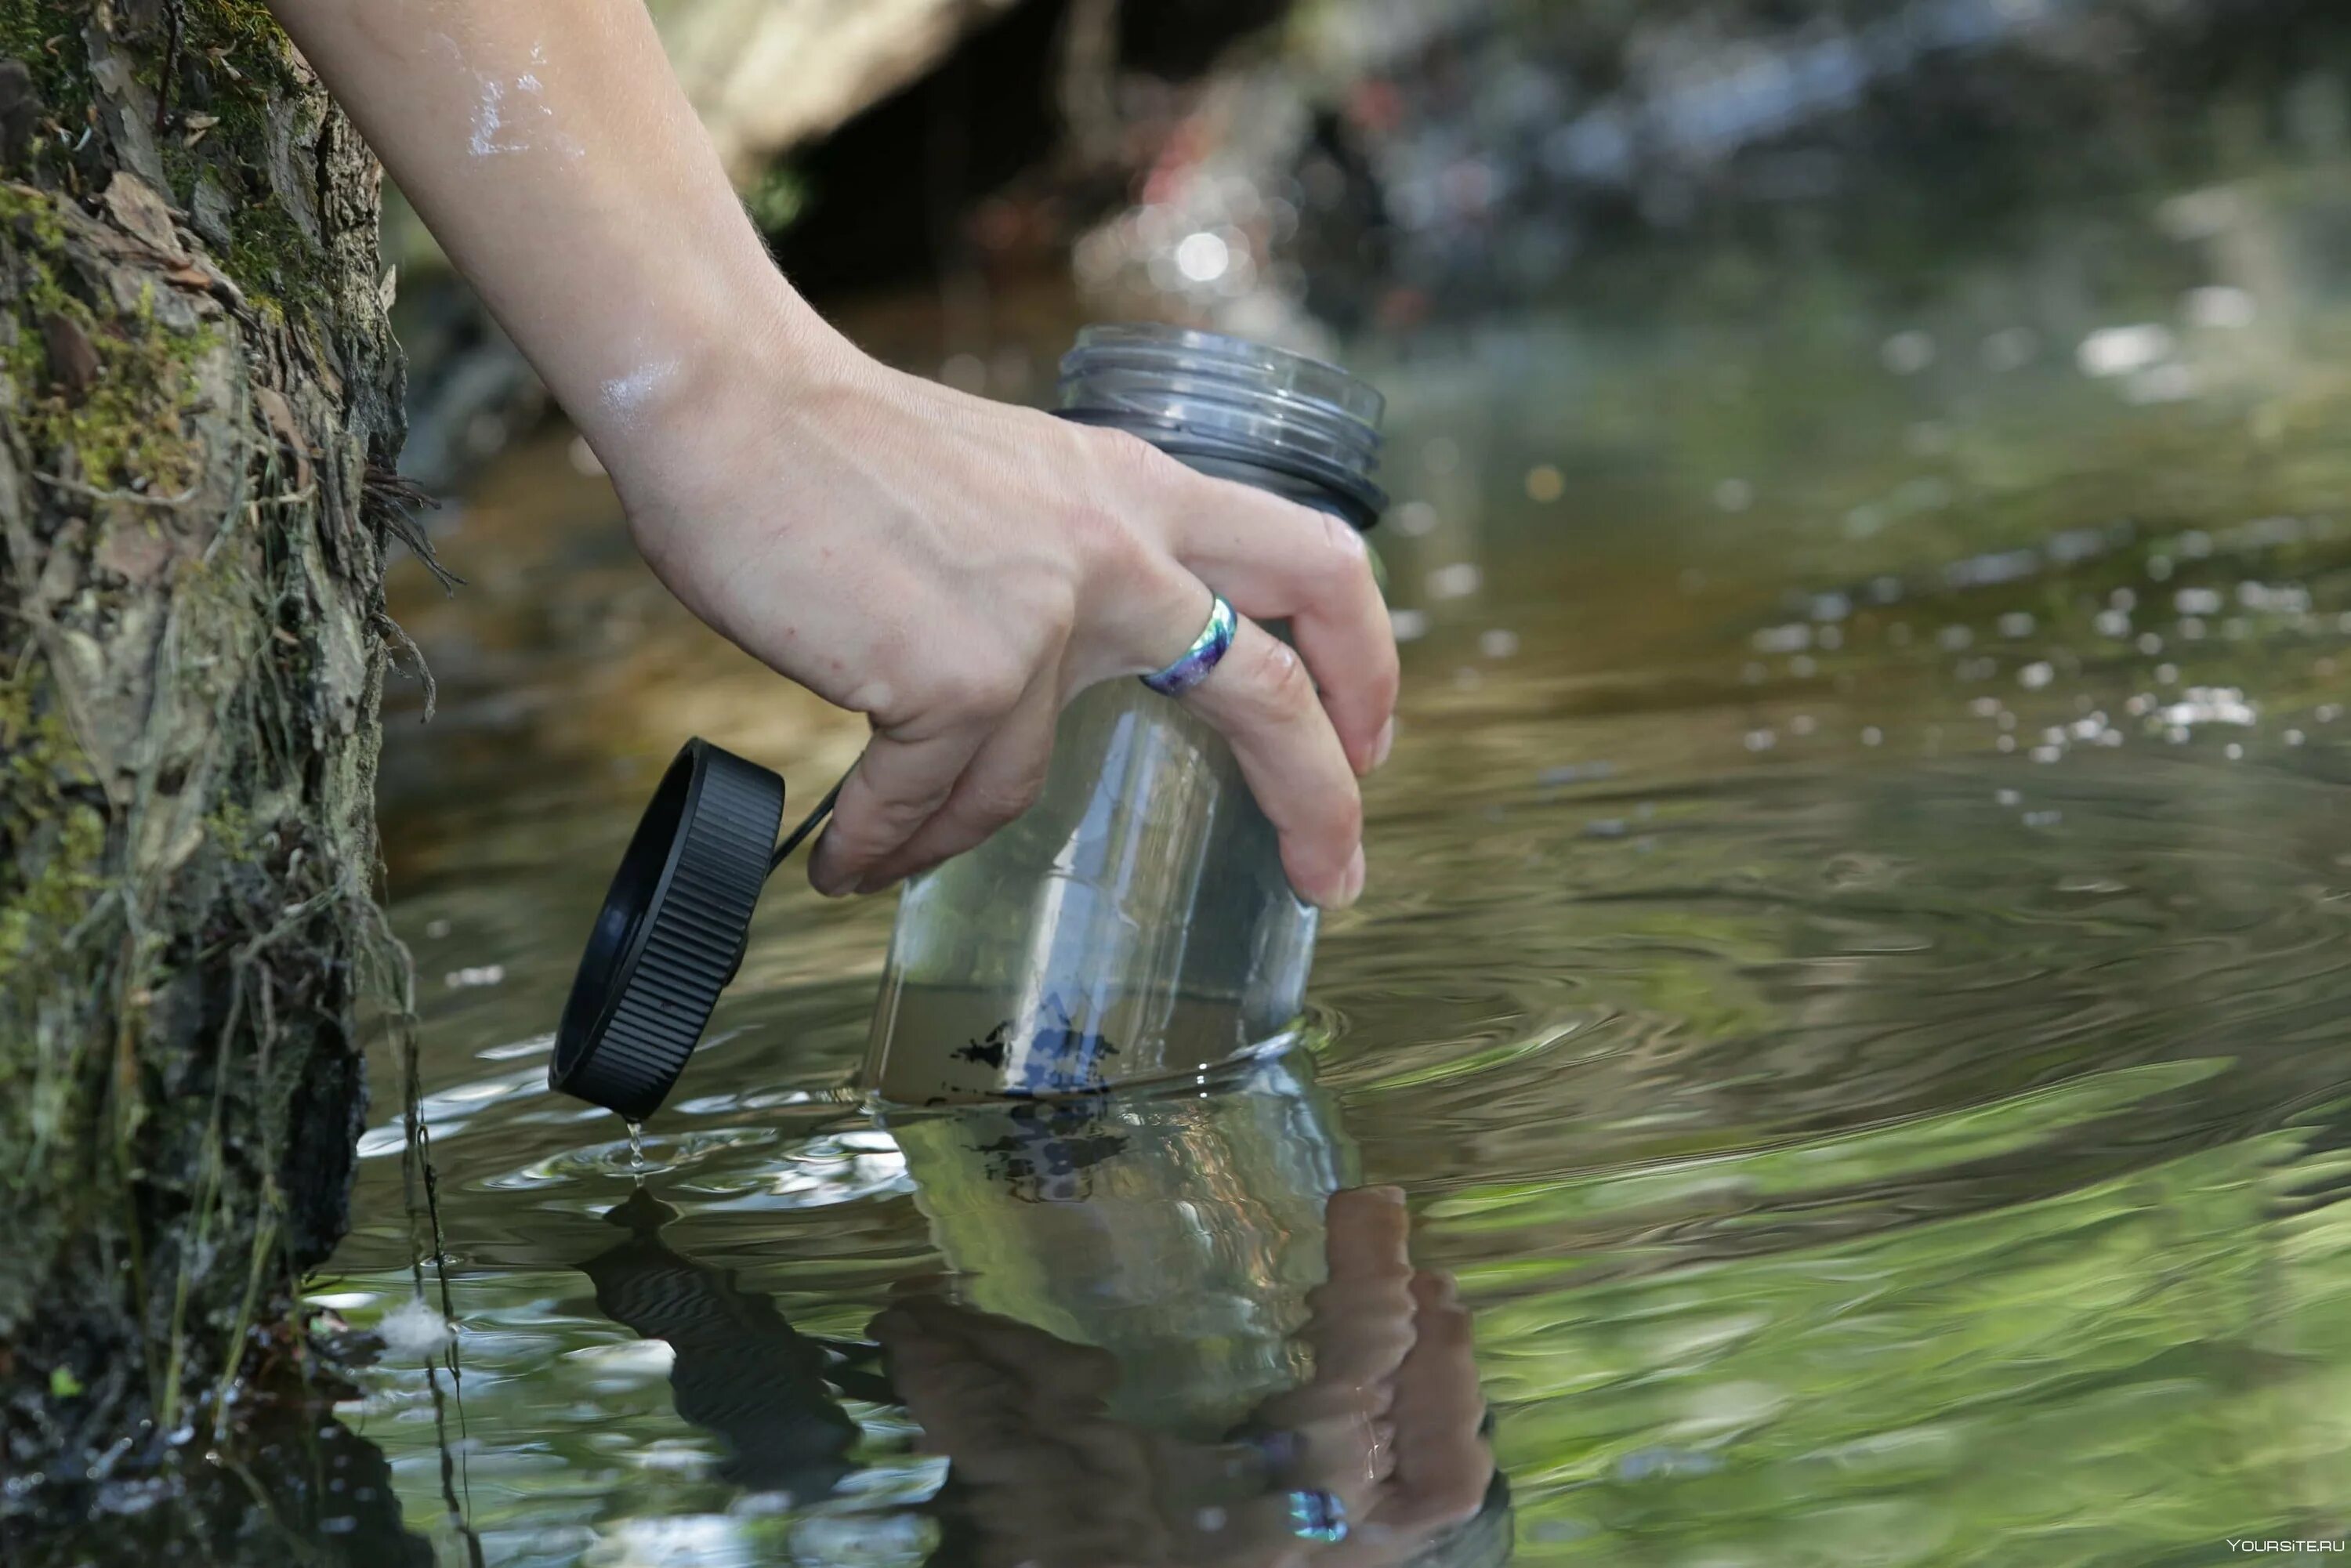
(1133,925)
(1136,923)
(1182,1233)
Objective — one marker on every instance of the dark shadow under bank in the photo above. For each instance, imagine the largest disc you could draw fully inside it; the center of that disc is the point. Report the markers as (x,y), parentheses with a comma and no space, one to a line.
(296,1487)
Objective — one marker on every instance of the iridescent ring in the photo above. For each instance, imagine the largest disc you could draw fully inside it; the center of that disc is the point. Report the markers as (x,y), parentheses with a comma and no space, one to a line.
(1207,650)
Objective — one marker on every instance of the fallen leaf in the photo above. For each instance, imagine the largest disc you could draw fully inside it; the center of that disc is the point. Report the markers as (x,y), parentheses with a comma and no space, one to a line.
(280,415)
(135,206)
(72,361)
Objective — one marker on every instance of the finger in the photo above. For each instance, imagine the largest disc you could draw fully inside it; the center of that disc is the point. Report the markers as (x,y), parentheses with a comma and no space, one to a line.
(1276,560)
(1075,1379)
(1359,1321)
(1003,779)
(899,784)
(1260,698)
(1443,1463)
(1361,1324)
(1366,1232)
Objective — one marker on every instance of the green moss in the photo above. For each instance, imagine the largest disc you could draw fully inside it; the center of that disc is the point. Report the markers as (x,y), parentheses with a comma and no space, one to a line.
(231,73)
(53,840)
(45,35)
(21,206)
(127,427)
(268,254)
(273,261)
(230,830)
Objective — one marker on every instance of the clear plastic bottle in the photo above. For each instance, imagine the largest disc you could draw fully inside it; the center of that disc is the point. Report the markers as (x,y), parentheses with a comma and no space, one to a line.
(1134,924)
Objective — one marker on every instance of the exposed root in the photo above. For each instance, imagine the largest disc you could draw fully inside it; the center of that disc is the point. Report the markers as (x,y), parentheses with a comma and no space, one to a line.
(394,501)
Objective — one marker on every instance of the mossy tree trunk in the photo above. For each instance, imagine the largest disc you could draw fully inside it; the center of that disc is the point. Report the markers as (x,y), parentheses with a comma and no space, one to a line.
(198,421)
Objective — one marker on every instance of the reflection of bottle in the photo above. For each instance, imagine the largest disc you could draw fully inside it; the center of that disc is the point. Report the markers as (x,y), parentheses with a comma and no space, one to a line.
(1136,923)
(1178,1231)
(1184,1234)
(741,1370)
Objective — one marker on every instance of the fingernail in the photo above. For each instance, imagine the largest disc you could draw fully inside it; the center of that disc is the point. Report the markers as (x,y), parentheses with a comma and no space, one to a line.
(1351,887)
(1385,744)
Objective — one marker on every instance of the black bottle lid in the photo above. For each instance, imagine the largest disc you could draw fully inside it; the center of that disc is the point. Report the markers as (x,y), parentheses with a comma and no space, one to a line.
(671,931)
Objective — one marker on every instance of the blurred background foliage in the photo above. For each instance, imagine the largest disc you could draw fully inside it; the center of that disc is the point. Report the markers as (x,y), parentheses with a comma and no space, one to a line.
(1304,172)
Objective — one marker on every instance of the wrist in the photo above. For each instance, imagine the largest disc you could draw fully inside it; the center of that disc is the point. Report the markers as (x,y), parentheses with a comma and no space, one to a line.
(686,392)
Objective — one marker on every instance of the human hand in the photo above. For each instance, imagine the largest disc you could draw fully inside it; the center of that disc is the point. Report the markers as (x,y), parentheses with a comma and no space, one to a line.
(953,569)
(957,569)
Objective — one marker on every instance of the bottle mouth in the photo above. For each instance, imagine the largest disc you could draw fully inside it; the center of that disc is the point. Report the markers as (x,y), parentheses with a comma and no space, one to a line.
(1226,391)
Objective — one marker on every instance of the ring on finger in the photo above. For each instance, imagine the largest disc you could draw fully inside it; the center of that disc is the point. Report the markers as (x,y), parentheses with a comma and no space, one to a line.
(1207,650)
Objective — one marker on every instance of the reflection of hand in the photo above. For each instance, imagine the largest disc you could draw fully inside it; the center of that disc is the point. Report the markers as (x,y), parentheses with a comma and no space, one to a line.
(1388,1424)
(1047,1476)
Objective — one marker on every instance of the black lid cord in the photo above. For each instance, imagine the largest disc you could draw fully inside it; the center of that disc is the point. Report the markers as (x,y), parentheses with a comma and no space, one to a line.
(807,825)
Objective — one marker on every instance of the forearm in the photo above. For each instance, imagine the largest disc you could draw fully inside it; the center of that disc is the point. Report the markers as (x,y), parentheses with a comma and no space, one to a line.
(949,566)
(551,150)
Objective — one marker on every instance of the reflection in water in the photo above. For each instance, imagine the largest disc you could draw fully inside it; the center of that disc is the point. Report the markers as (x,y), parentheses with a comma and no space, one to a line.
(741,1371)
(1221,1399)
(1378,1455)
(293,1485)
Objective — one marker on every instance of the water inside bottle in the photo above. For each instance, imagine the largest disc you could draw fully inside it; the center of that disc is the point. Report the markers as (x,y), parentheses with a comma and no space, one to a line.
(951,1043)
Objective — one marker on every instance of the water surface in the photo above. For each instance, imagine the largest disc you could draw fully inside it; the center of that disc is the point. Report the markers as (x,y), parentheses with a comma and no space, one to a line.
(1851,988)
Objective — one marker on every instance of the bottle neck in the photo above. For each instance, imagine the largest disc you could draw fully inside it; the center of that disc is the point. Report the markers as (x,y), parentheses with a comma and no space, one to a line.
(1305,477)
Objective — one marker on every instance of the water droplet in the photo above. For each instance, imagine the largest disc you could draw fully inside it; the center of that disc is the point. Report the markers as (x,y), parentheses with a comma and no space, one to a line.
(637,1148)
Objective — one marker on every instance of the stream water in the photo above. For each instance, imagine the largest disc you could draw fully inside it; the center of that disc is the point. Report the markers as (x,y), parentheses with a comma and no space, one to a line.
(1851,990)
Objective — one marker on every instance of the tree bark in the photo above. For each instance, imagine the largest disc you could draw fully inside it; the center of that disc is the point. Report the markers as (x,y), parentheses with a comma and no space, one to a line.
(198,424)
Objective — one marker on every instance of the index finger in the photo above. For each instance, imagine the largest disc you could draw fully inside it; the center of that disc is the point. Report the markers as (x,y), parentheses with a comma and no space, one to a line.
(898,785)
